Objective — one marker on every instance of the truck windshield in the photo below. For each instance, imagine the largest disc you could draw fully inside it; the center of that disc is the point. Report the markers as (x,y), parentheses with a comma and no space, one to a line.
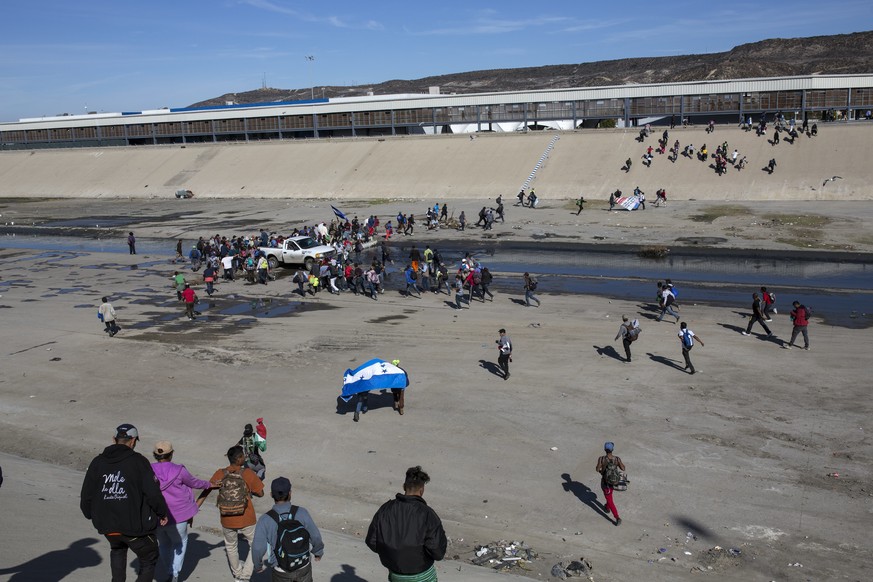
(306,243)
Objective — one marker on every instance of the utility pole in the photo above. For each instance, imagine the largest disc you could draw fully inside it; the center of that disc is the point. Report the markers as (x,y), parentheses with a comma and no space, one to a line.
(311,59)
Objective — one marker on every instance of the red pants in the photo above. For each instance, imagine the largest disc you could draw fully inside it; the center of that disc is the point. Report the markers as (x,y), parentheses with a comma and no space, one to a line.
(607,492)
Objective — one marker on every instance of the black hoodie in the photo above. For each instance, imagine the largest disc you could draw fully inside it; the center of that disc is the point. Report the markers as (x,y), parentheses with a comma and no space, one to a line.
(121,494)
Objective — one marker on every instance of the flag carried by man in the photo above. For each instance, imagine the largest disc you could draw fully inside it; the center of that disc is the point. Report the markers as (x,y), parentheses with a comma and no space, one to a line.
(338,213)
(373,375)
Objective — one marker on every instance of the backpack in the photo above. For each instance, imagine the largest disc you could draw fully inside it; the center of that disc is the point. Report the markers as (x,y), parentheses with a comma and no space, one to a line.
(633,332)
(233,495)
(477,278)
(292,540)
(413,275)
(686,339)
(611,472)
(532,285)
(250,264)
(772,297)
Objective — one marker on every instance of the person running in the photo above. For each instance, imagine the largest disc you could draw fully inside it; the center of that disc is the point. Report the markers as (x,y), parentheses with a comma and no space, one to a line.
(190,299)
(667,302)
(108,317)
(800,317)
(407,534)
(628,331)
(411,278)
(769,300)
(757,316)
(687,339)
(581,204)
(122,498)
(530,285)
(504,349)
(176,485)
(610,468)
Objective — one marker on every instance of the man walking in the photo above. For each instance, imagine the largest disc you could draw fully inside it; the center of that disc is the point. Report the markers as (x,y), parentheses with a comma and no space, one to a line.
(769,301)
(131,243)
(757,315)
(504,348)
(407,534)
(285,537)
(237,485)
(107,315)
(530,285)
(122,498)
(686,339)
(610,468)
(628,331)
(800,317)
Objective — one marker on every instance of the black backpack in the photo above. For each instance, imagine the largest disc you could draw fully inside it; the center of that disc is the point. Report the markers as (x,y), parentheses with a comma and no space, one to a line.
(292,540)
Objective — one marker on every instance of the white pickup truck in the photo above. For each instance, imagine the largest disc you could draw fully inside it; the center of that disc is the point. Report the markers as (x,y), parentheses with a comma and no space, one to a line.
(297,250)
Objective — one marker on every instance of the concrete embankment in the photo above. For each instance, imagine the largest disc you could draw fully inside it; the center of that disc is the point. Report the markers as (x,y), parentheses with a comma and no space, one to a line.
(453,167)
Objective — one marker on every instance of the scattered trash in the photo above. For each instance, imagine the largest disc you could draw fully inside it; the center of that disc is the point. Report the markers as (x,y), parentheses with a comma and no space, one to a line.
(662,551)
(735,551)
(796,565)
(551,449)
(834,475)
(55,359)
(575,569)
(505,555)
(687,553)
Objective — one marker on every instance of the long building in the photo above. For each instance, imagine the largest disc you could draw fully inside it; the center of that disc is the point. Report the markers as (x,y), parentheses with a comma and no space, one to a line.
(845,97)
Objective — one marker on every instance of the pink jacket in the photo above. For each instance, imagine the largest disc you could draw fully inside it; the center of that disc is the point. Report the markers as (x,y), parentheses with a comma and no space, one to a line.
(176,486)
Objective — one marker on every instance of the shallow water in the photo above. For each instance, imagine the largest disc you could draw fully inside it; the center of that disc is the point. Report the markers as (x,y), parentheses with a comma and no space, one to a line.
(839,292)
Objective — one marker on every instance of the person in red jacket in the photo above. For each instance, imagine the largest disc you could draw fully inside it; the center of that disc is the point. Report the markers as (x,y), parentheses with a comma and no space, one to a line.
(800,317)
(190,298)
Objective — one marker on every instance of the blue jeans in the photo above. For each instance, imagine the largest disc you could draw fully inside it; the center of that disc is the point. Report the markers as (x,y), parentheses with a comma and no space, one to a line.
(172,543)
(668,309)
(528,296)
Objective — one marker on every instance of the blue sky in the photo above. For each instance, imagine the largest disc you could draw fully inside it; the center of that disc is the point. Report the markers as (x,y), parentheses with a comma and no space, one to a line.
(70,56)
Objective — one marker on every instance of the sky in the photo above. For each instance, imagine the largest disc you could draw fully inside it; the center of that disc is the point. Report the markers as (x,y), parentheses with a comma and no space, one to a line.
(74,56)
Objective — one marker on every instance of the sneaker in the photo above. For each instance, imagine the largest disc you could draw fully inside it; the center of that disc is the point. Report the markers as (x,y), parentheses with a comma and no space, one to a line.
(806,348)
(786,346)
(356,417)
(618,521)
(746,333)
(770,334)
(506,377)
(400,411)
(768,320)
(692,372)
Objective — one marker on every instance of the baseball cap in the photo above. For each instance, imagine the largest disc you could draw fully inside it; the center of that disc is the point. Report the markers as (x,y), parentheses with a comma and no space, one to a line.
(280,486)
(163,448)
(608,446)
(126,431)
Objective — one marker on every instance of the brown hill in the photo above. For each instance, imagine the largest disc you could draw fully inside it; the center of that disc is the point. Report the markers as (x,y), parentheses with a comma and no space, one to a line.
(836,54)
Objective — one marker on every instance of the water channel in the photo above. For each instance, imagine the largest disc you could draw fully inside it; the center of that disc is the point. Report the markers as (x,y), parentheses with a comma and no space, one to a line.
(840,292)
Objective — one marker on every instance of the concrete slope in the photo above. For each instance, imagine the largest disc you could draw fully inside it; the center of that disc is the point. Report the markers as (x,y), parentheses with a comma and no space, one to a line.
(452,167)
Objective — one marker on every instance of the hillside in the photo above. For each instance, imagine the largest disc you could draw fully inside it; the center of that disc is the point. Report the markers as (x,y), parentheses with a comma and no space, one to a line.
(837,54)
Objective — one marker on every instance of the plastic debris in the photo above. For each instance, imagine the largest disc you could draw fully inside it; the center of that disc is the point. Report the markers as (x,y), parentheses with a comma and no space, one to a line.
(505,555)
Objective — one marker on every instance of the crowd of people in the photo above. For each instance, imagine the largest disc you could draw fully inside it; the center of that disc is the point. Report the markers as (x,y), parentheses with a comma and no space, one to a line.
(146,508)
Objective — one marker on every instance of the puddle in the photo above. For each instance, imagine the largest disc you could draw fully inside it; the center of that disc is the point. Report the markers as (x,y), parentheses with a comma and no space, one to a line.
(263,308)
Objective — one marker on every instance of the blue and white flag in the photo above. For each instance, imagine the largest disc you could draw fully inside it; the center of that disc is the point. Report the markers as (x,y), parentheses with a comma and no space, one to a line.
(628,202)
(374,375)
(338,213)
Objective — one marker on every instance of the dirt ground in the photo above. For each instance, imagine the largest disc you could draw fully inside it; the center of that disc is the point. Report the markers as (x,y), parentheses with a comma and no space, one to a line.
(756,465)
